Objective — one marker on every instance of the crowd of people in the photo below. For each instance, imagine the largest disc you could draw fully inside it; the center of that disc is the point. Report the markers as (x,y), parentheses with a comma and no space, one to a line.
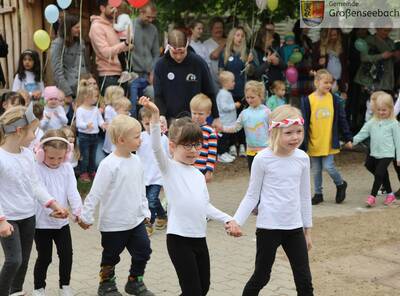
(165,120)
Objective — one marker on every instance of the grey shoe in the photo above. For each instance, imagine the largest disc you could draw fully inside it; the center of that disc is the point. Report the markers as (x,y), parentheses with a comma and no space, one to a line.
(108,288)
(137,287)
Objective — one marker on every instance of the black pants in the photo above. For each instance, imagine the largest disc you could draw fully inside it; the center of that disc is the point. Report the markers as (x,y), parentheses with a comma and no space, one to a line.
(17,250)
(106,81)
(135,240)
(295,247)
(44,245)
(224,142)
(378,167)
(192,263)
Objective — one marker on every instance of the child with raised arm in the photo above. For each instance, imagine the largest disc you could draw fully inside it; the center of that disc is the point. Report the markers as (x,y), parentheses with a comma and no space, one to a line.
(188,201)
(20,188)
(280,185)
(120,188)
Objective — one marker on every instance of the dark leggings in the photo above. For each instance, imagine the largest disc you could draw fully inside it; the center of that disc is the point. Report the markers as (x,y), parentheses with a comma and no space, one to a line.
(17,250)
(192,263)
(44,245)
(295,247)
(378,167)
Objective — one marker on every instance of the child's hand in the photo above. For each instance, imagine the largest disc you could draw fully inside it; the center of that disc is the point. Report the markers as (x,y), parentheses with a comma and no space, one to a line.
(6,229)
(349,145)
(36,94)
(89,126)
(83,225)
(343,95)
(208,176)
(237,105)
(307,235)
(233,229)
(147,103)
(60,213)
(250,58)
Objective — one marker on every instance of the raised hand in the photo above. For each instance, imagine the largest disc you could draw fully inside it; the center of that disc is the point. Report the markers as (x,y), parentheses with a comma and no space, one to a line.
(147,103)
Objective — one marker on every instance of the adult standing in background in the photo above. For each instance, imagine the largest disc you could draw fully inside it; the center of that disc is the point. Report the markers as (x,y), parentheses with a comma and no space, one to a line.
(106,45)
(68,57)
(146,52)
(197,29)
(214,46)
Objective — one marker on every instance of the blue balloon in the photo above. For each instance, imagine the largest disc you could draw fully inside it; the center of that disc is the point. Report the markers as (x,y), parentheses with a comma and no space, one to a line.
(64,4)
(51,13)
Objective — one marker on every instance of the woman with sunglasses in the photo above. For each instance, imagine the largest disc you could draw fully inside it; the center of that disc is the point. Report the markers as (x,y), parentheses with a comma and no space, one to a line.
(180,75)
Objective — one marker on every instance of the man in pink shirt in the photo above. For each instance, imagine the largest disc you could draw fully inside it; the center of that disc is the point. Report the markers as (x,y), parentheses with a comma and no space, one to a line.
(107,45)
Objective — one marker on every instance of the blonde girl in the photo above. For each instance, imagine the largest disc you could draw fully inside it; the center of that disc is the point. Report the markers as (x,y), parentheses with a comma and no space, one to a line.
(88,121)
(20,187)
(57,175)
(384,133)
(280,185)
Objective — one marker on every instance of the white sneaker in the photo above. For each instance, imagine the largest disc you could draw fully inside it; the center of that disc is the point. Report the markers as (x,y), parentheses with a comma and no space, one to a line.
(38,292)
(225,158)
(233,150)
(66,291)
(242,151)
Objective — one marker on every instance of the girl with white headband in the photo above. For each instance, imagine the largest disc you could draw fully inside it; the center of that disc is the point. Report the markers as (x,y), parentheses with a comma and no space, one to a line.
(280,185)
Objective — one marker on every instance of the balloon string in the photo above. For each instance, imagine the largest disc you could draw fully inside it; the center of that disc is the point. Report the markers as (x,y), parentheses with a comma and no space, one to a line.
(47,58)
(65,35)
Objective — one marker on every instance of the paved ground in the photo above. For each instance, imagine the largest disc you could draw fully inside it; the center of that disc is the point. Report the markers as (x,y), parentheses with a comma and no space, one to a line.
(232,259)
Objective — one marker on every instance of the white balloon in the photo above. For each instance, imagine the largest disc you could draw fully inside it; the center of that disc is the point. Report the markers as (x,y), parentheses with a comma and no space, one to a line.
(261,4)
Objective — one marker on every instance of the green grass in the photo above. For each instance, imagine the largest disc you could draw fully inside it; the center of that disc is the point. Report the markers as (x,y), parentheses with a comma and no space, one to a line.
(84,188)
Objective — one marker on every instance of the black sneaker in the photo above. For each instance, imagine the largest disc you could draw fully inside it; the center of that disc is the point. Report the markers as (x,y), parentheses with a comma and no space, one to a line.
(318,198)
(108,288)
(137,287)
(341,192)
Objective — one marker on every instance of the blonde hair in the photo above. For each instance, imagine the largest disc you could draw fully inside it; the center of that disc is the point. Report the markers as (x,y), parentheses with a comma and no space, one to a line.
(278,115)
(325,44)
(70,132)
(144,113)
(374,96)
(225,76)
(121,125)
(321,73)
(256,86)
(122,103)
(201,102)
(11,115)
(112,93)
(56,144)
(85,90)
(385,100)
(229,45)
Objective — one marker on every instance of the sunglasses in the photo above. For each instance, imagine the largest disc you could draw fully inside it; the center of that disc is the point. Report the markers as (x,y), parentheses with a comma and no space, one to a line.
(178,49)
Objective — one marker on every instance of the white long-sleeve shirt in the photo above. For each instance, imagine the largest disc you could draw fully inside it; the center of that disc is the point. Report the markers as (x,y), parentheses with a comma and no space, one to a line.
(119,187)
(61,184)
(152,174)
(109,114)
(20,186)
(57,119)
(186,190)
(282,185)
(85,116)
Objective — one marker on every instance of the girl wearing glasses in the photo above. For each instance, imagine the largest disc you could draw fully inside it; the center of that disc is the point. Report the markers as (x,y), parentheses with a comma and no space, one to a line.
(188,201)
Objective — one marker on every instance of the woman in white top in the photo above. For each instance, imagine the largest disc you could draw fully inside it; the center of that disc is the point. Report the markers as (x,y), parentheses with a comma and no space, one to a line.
(57,175)
(280,185)
(197,28)
(188,201)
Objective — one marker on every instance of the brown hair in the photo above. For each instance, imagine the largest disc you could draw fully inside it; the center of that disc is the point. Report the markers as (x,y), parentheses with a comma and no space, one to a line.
(70,132)
(67,23)
(56,144)
(185,131)
(144,113)
(276,84)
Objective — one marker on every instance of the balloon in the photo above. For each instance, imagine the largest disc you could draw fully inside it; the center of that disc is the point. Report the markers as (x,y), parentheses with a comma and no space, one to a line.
(361,45)
(296,57)
(261,4)
(115,3)
(292,75)
(272,4)
(41,39)
(138,3)
(51,13)
(64,4)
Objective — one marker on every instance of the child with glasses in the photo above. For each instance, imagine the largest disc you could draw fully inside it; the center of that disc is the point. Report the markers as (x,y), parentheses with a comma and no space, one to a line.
(188,201)
(200,108)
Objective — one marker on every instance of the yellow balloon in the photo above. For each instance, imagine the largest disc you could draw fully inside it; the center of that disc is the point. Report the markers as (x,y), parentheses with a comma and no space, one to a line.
(41,39)
(272,4)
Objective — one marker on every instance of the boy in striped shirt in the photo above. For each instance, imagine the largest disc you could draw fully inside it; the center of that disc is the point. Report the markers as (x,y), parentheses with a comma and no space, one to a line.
(200,108)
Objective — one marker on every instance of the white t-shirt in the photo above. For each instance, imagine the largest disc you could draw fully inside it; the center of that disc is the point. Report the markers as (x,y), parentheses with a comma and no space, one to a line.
(186,190)
(29,84)
(85,116)
(61,184)
(209,46)
(119,187)
(109,114)
(152,174)
(20,185)
(282,186)
(199,48)
(57,120)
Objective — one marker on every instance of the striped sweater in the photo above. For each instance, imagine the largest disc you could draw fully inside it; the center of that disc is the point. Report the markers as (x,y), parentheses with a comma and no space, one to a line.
(208,153)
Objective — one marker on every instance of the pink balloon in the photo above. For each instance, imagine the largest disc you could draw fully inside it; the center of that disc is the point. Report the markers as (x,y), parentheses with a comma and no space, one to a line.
(115,3)
(292,75)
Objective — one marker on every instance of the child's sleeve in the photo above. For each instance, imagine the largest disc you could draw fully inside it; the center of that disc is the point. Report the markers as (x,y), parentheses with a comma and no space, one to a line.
(363,134)
(253,194)
(225,103)
(62,116)
(100,187)
(100,119)
(80,122)
(161,157)
(212,151)
(74,198)
(305,195)
(39,190)
(238,126)
(17,84)
(396,139)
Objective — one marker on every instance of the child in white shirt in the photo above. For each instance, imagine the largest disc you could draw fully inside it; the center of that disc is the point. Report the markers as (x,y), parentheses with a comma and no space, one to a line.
(57,175)
(120,188)
(54,116)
